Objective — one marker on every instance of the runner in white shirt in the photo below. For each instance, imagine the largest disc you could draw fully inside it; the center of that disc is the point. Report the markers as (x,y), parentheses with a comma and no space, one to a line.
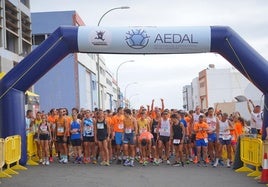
(256,120)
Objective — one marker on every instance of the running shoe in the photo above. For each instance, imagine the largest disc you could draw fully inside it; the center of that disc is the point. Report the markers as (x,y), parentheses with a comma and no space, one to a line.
(168,162)
(221,162)
(51,159)
(107,164)
(182,164)
(103,163)
(195,161)
(94,161)
(187,161)
(65,161)
(47,162)
(126,163)
(131,163)
(176,164)
(155,163)
(145,163)
(61,160)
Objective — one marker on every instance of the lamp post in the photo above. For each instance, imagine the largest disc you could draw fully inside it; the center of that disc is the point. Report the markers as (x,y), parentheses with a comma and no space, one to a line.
(118,90)
(98,57)
(131,98)
(125,93)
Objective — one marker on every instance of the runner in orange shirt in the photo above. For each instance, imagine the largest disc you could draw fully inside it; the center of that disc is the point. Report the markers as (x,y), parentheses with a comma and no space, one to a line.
(52,117)
(118,129)
(62,131)
(201,128)
(145,140)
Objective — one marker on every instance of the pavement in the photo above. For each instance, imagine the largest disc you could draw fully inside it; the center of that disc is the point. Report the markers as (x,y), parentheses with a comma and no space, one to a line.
(90,175)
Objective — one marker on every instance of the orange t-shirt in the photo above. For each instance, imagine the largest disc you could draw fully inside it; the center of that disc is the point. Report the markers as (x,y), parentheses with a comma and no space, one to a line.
(117,122)
(238,127)
(61,128)
(146,135)
(68,121)
(188,120)
(203,133)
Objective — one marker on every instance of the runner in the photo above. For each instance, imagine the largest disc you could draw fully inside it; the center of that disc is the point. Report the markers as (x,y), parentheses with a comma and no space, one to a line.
(187,139)
(44,134)
(177,138)
(34,128)
(88,138)
(155,133)
(130,130)
(76,137)
(164,137)
(118,128)
(201,128)
(145,140)
(195,117)
(143,125)
(62,131)
(213,145)
(102,136)
(52,117)
(256,119)
(224,138)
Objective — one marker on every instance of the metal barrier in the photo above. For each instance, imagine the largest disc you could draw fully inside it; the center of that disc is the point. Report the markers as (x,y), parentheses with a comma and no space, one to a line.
(31,150)
(251,153)
(13,154)
(2,159)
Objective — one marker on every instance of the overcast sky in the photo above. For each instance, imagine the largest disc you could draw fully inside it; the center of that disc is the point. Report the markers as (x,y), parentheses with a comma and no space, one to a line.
(163,76)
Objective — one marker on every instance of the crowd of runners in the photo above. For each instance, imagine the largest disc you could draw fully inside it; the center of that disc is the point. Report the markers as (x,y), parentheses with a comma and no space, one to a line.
(147,135)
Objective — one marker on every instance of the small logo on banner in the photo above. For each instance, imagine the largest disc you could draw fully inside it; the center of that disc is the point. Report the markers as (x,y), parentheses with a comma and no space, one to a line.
(99,39)
(137,39)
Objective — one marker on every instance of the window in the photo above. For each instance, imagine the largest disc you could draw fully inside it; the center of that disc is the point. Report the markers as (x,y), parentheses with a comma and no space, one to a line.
(38,39)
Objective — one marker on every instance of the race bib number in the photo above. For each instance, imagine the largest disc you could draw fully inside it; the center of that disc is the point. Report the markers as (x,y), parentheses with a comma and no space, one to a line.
(60,129)
(176,141)
(121,126)
(128,130)
(143,130)
(89,131)
(100,125)
(43,128)
(205,140)
(226,137)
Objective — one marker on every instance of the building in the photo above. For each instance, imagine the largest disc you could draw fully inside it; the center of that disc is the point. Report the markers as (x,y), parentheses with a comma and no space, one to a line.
(74,81)
(187,97)
(15,32)
(222,86)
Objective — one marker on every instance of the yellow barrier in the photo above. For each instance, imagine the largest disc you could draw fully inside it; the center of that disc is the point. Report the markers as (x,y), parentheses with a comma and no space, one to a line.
(2,159)
(251,153)
(13,154)
(31,150)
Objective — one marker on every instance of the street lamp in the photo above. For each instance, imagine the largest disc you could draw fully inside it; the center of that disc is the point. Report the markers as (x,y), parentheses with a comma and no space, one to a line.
(125,93)
(118,90)
(131,98)
(98,57)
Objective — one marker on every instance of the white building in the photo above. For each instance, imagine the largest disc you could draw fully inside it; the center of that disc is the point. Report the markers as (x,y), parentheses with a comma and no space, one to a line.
(222,86)
(15,33)
(187,97)
(195,93)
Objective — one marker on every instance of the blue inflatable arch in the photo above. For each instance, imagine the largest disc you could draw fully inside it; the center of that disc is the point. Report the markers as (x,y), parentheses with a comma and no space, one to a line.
(122,40)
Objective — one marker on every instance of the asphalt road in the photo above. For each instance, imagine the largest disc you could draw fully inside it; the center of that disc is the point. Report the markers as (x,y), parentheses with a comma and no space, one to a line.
(80,175)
